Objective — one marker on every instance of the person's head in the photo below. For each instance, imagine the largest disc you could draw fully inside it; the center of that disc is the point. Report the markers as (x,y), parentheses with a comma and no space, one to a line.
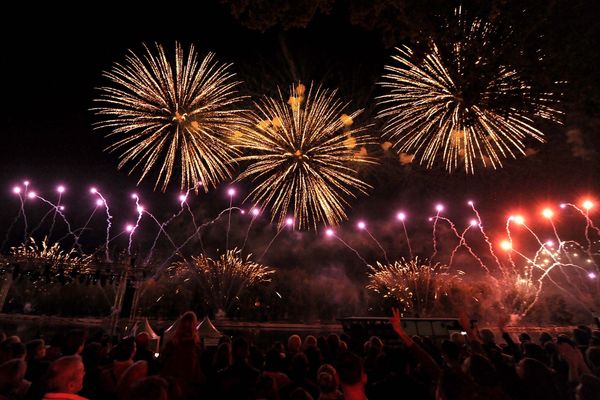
(299,367)
(124,350)
(186,328)
(351,371)
(141,340)
(294,344)
(375,344)
(326,382)
(545,337)
(487,336)
(333,341)
(592,355)
(329,369)
(524,337)
(481,370)
(588,388)
(310,341)
(532,350)
(532,370)
(65,375)
(581,336)
(36,349)
(11,349)
(450,352)
(222,357)
(74,342)
(134,373)
(151,388)
(12,373)
(240,350)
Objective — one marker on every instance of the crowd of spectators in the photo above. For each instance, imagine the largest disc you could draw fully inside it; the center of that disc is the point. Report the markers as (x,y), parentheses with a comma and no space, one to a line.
(475,366)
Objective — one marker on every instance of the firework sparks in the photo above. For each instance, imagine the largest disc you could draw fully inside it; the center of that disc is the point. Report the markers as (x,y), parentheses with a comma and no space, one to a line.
(303,157)
(331,233)
(33,253)
(108,219)
(223,281)
(460,104)
(163,112)
(417,286)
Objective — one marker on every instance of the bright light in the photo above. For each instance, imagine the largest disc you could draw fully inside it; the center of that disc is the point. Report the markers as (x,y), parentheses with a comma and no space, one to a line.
(329,232)
(16,190)
(255,211)
(140,209)
(93,190)
(505,245)
(182,198)
(99,202)
(129,228)
(519,219)
(563,205)
(549,243)
(60,189)
(289,222)
(470,202)
(401,216)
(473,222)
(134,196)
(548,213)
(26,183)
(592,275)
(361,225)
(31,195)
(587,204)
(439,208)
(243,212)
(61,208)
(231,191)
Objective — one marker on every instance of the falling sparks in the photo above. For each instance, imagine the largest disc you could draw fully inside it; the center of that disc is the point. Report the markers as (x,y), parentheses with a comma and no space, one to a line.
(164,112)
(223,281)
(302,164)
(50,254)
(417,286)
(461,105)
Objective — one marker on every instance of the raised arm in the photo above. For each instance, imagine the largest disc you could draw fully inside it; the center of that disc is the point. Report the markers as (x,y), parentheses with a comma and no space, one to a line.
(424,358)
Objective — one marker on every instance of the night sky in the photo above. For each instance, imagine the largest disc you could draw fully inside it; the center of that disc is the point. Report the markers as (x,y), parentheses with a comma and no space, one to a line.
(53,58)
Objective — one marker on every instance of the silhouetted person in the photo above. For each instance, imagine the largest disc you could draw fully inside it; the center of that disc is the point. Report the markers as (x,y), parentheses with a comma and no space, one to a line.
(239,381)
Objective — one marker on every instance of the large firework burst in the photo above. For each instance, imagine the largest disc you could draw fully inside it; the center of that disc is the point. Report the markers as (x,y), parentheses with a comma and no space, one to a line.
(166,112)
(223,281)
(302,157)
(418,287)
(460,103)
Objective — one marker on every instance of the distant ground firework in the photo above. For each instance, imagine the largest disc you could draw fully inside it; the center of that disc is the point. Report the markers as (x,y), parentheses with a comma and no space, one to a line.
(302,156)
(223,281)
(48,254)
(419,287)
(163,112)
(460,105)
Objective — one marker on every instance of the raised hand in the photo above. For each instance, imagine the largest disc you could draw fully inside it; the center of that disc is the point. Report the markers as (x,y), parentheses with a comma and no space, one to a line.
(397,325)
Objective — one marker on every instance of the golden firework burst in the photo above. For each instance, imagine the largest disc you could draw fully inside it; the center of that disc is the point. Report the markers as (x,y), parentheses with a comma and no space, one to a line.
(303,155)
(460,106)
(165,112)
